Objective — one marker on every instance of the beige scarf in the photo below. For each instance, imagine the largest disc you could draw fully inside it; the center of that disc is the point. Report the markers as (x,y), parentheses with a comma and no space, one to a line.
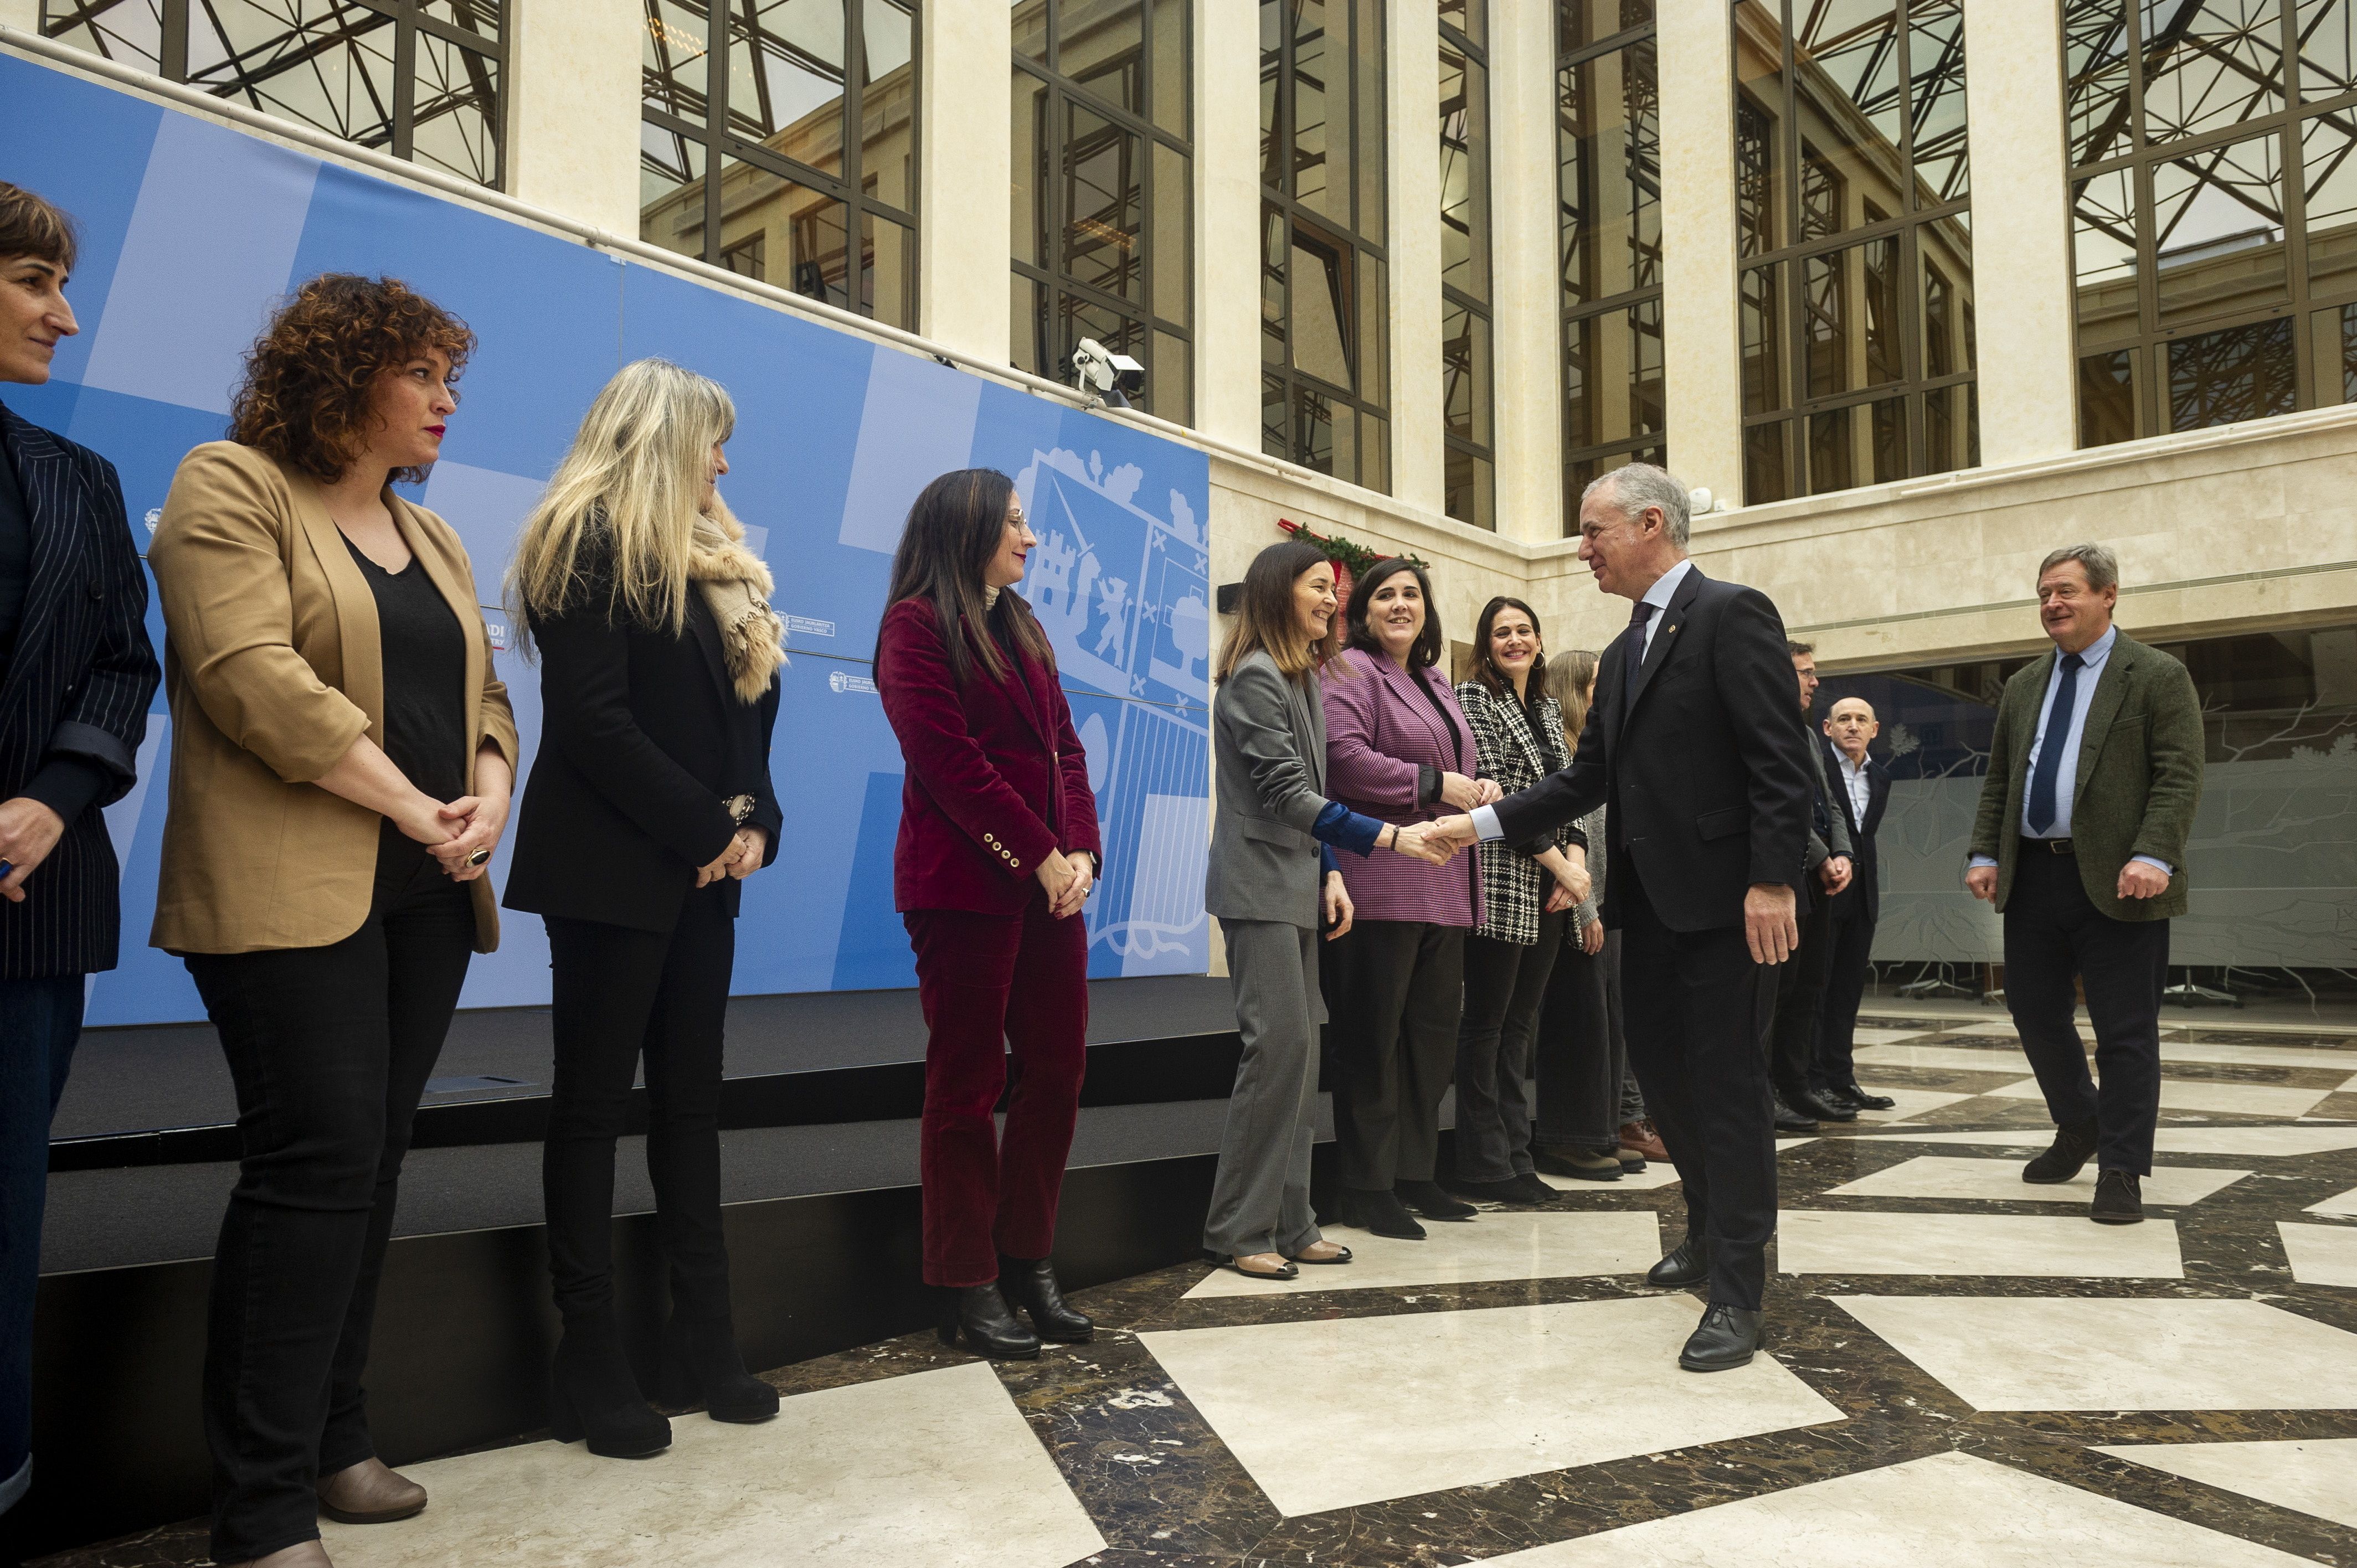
(737,587)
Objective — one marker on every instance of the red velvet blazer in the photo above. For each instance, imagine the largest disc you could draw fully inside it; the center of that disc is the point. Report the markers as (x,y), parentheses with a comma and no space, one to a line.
(996,777)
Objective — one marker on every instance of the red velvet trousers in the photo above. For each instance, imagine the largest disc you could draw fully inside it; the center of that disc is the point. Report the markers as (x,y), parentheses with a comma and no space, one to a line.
(992,985)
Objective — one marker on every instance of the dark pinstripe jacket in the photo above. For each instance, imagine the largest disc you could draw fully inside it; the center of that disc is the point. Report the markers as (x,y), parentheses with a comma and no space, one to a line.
(78,686)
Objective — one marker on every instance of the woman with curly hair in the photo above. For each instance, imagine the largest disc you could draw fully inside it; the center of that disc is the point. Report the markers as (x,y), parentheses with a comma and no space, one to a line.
(342,754)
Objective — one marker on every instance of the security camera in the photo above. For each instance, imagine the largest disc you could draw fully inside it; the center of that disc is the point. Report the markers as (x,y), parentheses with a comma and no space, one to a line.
(1097,369)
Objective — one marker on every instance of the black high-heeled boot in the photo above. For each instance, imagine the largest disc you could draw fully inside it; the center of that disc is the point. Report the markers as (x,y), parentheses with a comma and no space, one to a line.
(703,1366)
(1031,1283)
(594,1394)
(980,1313)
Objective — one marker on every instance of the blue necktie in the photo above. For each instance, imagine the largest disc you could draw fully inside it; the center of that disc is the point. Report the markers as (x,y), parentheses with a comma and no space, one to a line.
(1636,657)
(2041,814)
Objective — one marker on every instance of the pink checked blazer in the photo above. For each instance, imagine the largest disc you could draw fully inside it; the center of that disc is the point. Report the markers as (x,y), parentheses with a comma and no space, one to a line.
(1381,733)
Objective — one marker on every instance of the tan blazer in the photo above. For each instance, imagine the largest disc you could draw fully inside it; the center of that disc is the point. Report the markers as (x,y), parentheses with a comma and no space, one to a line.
(272,665)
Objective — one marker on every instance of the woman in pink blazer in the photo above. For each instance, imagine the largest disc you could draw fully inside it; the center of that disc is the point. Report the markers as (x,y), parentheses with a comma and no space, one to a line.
(1397,747)
(998,850)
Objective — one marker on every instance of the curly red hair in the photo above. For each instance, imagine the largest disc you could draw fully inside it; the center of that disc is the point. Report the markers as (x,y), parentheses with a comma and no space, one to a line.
(305,396)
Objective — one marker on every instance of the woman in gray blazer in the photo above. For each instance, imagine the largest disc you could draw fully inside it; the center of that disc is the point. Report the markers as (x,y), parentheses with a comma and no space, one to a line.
(1272,881)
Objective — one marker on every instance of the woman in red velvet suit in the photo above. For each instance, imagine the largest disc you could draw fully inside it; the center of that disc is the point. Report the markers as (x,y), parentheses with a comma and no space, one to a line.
(998,850)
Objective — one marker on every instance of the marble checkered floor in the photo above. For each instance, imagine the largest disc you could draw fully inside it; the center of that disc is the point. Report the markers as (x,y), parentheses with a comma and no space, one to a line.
(1963,1371)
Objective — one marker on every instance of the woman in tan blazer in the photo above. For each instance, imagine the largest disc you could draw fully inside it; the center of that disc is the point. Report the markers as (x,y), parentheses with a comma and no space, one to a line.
(342,756)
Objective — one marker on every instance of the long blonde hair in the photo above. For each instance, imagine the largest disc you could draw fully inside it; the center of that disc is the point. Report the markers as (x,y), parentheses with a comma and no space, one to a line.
(629,491)
(1571,680)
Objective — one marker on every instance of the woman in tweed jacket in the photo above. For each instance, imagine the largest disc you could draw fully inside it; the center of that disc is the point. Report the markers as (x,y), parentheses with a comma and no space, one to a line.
(1526,890)
(1398,749)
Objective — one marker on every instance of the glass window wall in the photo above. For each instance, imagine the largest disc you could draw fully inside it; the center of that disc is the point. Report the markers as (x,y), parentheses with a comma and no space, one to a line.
(1103,190)
(778,139)
(1325,371)
(1852,228)
(1609,188)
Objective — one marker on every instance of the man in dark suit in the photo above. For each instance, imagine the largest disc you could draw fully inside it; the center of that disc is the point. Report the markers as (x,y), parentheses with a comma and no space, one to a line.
(1691,744)
(1791,1040)
(2094,776)
(1861,790)
(76,673)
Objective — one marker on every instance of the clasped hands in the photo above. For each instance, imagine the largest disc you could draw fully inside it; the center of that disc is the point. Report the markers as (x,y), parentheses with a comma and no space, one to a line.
(739,860)
(452,834)
(1069,878)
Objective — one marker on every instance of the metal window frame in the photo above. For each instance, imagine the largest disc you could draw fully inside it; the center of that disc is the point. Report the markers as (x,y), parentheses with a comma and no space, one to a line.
(1060,95)
(2147,347)
(1651,446)
(406,17)
(1786,265)
(721,143)
(1280,197)
(1477,58)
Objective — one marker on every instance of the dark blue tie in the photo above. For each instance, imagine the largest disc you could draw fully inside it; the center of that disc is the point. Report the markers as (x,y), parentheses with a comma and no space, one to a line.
(2041,814)
(1636,656)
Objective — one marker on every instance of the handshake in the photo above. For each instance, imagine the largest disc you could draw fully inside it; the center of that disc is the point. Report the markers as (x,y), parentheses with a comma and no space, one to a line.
(1436,841)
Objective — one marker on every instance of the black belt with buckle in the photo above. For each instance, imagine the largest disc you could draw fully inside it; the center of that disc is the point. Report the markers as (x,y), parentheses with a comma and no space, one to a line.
(2055,846)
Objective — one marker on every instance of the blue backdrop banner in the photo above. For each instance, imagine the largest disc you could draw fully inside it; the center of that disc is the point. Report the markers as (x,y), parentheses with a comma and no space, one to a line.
(193,232)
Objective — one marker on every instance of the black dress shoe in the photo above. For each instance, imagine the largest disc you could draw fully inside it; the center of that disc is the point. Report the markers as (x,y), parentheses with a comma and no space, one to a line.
(593,1394)
(1728,1337)
(2074,1145)
(1808,1102)
(1688,1264)
(1426,1199)
(1791,1120)
(1859,1100)
(979,1314)
(1507,1191)
(1031,1283)
(703,1366)
(2119,1200)
(1535,1190)
(1378,1211)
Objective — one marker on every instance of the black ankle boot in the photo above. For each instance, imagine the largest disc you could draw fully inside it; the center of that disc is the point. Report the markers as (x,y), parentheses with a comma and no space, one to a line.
(1380,1211)
(594,1394)
(980,1313)
(703,1366)
(1031,1283)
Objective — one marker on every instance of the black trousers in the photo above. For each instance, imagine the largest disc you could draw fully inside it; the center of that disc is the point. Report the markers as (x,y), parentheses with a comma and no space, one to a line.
(617,995)
(1583,1054)
(2054,933)
(330,1048)
(1850,959)
(1696,1004)
(1505,984)
(1800,983)
(1393,992)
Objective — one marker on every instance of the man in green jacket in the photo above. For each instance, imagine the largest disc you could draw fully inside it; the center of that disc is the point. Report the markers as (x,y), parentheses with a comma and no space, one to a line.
(2094,776)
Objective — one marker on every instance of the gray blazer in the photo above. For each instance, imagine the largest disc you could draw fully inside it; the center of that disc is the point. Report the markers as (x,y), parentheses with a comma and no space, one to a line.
(1268,756)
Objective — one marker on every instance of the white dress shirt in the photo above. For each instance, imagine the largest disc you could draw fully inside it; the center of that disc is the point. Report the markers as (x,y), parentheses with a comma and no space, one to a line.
(2092,659)
(1485,818)
(1860,784)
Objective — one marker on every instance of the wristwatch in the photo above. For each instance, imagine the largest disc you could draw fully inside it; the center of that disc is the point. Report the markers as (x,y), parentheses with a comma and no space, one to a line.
(739,807)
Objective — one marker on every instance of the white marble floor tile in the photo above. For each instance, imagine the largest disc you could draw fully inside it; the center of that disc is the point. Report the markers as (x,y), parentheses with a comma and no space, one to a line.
(1999,1181)
(2012,1246)
(2256,1055)
(1945,1058)
(895,1471)
(2307,1474)
(2341,1206)
(2204,1094)
(1909,1101)
(2080,1353)
(2320,1254)
(1987,1029)
(1420,1402)
(1871,1036)
(2230,1140)
(1948,1510)
(1656,1174)
(1502,1244)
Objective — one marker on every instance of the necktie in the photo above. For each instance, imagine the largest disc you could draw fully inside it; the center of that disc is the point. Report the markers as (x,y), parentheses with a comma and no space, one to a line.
(1635,658)
(2041,814)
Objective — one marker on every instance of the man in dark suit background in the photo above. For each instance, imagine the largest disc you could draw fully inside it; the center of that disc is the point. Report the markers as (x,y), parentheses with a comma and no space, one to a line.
(2094,776)
(1861,789)
(76,673)
(1791,1040)
(1691,744)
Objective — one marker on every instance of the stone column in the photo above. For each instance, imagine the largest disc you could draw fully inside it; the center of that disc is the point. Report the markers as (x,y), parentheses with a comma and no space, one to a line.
(1526,292)
(573,92)
(1411,148)
(965,179)
(1227,221)
(1702,352)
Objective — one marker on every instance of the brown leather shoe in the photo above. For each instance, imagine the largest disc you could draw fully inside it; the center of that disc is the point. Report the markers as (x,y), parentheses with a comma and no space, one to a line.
(1640,1136)
(370,1492)
(302,1554)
